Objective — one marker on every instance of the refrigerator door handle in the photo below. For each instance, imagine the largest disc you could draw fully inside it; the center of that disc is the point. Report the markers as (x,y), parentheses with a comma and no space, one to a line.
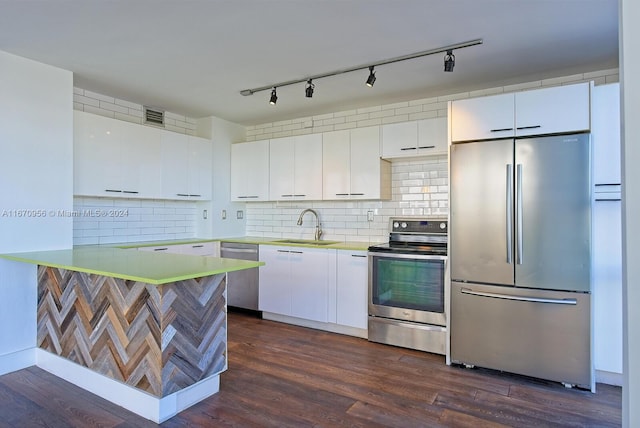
(519,298)
(519,245)
(509,213)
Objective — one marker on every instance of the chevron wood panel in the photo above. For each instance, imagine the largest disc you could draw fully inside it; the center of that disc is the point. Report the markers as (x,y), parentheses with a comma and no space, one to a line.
(158,338)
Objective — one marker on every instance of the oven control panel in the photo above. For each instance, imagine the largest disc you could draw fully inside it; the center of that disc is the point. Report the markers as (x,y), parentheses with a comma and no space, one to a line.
(419,226)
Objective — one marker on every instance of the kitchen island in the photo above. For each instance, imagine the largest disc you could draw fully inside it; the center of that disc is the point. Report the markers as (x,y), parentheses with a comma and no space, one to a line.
(146,331)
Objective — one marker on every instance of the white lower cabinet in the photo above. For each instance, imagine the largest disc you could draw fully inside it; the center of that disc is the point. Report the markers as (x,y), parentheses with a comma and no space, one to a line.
(195,249)
(352,288)
(326,286)
(295,281)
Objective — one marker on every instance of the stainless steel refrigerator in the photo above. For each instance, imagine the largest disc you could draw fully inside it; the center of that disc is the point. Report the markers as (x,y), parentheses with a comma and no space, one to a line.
(520,242)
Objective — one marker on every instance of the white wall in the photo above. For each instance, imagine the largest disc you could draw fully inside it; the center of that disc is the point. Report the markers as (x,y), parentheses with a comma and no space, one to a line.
(223,134)
(36,181)
(630,87)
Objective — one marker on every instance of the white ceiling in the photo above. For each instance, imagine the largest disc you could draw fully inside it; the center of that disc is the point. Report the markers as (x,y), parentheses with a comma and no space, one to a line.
(194,56)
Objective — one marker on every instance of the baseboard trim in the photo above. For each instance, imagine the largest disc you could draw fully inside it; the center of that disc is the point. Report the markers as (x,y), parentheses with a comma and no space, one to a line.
(139,402)
(330,327)
(17,360)
(610,378)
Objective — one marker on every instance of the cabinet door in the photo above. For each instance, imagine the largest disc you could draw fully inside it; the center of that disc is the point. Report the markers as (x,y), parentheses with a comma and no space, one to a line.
(96,155)
(336,165)
(483,118)
(175,165)
(365,163)
(141,161)
(553,110)
(281,168)
(310,283)
(200,168)
(432,136)
(605,134)
(352,288)
(400,139)
(250,171)
(308,167)
(607,285)
(274,280)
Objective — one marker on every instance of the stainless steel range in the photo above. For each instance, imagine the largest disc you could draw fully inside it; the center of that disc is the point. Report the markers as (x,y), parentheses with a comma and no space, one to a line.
(407,292)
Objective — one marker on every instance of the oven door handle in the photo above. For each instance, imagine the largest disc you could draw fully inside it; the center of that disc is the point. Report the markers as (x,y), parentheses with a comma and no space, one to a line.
(399,254)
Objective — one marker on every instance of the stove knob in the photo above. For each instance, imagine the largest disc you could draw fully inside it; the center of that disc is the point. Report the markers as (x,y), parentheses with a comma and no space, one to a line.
(403,225)
(396,225)
(443,225)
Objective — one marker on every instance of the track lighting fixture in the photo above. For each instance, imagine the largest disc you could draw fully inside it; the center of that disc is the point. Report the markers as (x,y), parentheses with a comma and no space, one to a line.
(308,91)
(449,63)
(372,77)
(449,60)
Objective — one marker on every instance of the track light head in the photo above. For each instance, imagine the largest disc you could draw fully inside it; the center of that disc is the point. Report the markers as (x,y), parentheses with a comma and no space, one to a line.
(449,61)
(308,91)
(274,98)
(372,77)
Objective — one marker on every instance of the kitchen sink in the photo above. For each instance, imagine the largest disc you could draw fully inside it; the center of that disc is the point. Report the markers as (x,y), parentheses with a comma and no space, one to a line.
(306,242)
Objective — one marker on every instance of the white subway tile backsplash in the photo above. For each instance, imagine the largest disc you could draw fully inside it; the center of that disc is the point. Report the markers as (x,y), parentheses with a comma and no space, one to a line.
(146,220)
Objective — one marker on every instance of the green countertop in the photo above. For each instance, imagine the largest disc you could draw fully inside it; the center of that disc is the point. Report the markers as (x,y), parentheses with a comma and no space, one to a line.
(149,267)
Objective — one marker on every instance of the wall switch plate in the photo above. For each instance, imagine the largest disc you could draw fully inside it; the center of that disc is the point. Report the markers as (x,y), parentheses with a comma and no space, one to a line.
(224,214)
(369,215)
(205,214)
(239,214)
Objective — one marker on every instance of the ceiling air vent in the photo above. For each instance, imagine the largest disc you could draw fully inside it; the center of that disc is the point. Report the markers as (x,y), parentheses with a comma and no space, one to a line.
(153,116)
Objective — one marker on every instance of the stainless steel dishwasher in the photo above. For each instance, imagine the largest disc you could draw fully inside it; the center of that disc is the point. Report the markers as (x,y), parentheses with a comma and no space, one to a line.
(242,286)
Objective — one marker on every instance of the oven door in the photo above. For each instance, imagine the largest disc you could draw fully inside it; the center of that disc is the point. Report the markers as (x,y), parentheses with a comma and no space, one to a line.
(407,287)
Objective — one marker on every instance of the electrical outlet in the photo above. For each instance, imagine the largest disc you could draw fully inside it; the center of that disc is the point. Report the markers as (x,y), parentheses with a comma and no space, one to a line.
(224,214)
(205,214)
(239,214)
(369,215)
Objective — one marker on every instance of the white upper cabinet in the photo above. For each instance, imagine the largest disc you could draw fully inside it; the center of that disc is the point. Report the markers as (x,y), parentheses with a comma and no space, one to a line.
(553,110)
(352,168)
(418,138)
(295,168)
(605,134)
(187,164)
(250,171)
(115,158)
(482,118)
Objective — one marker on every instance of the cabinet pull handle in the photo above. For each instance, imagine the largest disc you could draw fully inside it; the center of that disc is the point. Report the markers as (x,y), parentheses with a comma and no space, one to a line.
(299,195)
(286,196)
(408,148)
(246,197)
(296,252)
(160,249)
(342,194)
(357,194)
(501,129)
(427,147)
(182,194)
(529,127)
(130,191)
(113,190)
(358,255)
(284,251)
(197,246)
(518,298)
(195,196)
(607,184)
(608,199)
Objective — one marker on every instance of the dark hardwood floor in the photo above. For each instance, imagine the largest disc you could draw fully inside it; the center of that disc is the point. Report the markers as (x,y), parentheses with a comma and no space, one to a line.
(286,376)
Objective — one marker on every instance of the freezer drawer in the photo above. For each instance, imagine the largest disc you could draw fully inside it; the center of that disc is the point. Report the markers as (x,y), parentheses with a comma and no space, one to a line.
(544,334)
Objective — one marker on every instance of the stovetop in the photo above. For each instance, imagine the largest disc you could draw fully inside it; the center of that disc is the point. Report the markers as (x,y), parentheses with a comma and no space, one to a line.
(415,235)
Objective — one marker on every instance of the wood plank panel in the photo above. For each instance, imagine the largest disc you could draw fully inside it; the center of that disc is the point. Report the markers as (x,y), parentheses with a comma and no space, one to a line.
(159,339)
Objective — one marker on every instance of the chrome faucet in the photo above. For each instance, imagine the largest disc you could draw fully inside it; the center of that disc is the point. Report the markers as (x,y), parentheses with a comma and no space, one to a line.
(318,230)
